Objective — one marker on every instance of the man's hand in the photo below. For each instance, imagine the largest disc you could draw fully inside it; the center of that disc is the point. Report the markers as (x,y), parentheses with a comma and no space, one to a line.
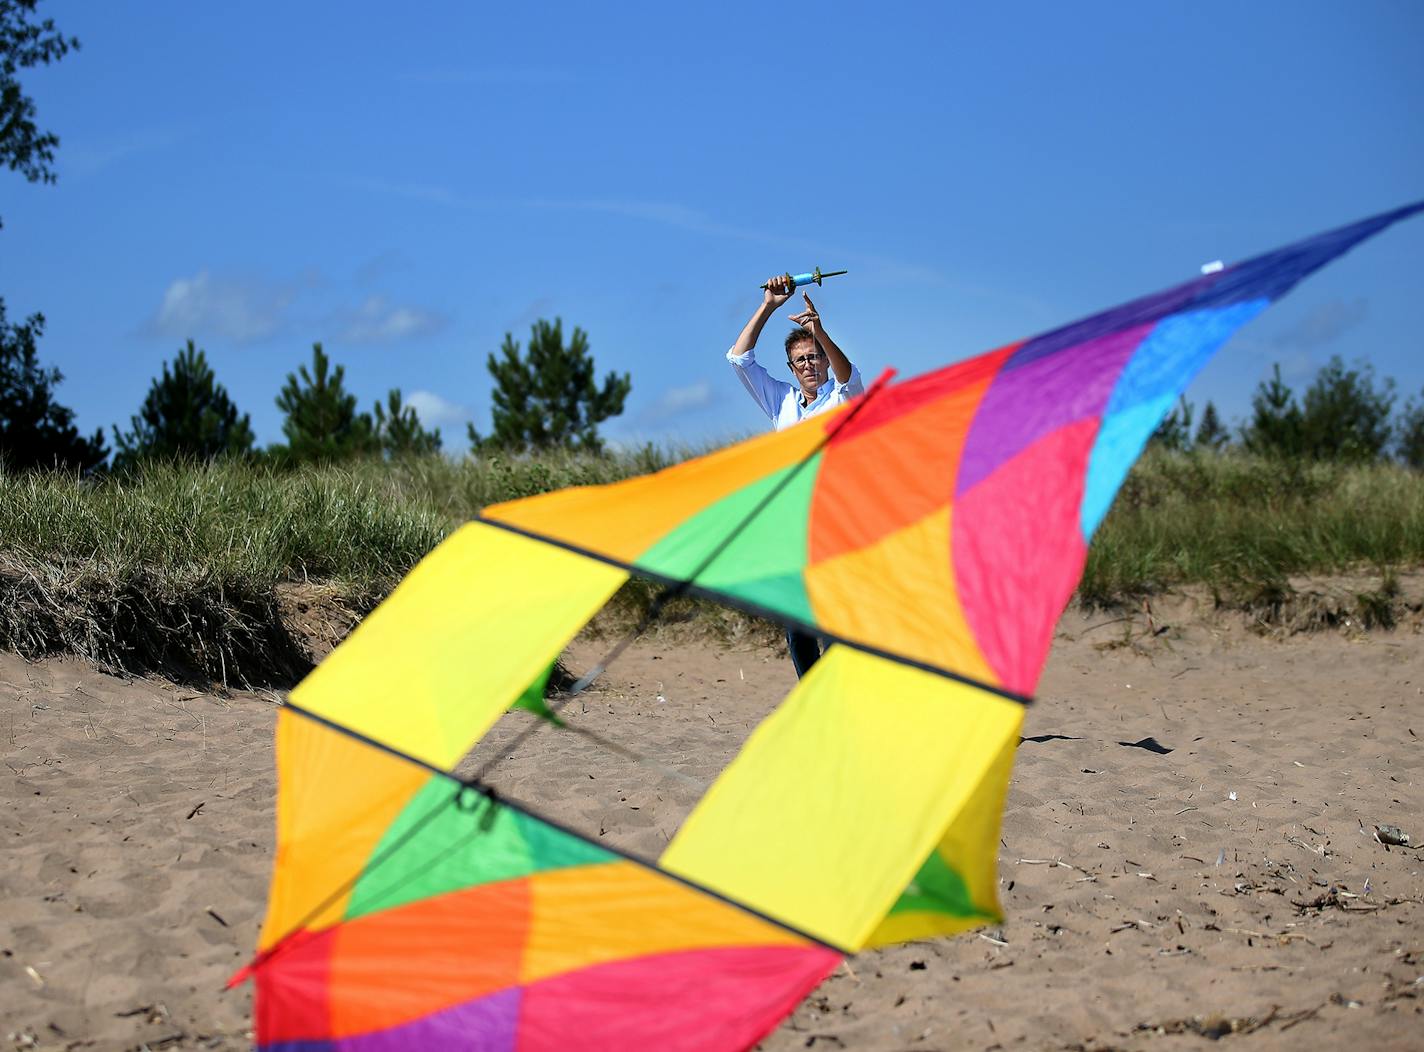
(778,290)
(809,319)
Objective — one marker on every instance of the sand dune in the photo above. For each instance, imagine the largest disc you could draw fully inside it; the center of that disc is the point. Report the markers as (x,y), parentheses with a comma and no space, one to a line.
(1146,906)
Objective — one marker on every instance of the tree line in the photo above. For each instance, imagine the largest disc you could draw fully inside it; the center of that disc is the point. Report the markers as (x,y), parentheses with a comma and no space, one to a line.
(1344,414)
(545,398)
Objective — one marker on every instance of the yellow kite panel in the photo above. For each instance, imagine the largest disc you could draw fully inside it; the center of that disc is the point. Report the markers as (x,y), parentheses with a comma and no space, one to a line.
(463,636)
(837,798)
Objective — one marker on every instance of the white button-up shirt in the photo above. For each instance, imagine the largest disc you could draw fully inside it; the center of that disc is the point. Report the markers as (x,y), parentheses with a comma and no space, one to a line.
(781,401)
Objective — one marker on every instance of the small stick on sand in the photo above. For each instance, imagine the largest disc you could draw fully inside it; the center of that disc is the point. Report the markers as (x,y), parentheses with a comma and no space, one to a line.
(1298,842)
(1049,862)
(1284,936)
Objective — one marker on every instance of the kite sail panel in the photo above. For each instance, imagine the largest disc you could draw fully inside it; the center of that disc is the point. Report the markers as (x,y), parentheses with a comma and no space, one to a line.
(934,527)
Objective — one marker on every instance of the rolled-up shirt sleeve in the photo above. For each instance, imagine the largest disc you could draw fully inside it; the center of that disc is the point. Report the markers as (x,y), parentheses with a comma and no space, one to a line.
(852,387)
(768,393)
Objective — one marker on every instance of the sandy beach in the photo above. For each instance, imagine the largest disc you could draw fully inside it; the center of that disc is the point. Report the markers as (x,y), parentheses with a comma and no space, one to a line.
(1189,847)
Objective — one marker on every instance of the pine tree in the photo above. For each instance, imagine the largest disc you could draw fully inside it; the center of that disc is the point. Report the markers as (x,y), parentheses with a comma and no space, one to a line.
(322,423)
(186,414)
(548,399)
(1344,416)
(399,431)
(1275,427)
(35,430)
(1211,435)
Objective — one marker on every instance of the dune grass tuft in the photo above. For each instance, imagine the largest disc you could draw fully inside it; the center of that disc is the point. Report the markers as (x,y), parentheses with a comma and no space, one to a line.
(1242,526)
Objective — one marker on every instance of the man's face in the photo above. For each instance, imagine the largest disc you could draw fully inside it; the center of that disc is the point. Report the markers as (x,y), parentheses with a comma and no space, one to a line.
(808,364)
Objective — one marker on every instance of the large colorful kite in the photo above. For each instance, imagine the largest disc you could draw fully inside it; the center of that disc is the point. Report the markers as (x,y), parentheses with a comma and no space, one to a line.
(933,529)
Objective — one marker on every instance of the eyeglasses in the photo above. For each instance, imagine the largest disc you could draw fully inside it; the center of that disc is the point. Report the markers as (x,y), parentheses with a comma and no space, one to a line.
(805,359)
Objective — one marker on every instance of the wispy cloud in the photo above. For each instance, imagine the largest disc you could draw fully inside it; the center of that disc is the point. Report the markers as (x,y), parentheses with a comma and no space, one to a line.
(88,157)
(426,192)
(677,216)
(239,310)
(667,213)
(435,411)
(378,321)
(492,76)
(1325,324)
(679,401)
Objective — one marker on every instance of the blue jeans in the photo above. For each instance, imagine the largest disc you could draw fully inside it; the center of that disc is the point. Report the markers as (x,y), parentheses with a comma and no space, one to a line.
(805,649)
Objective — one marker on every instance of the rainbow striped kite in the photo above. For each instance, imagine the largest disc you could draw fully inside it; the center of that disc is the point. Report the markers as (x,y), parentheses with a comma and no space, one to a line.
(934,529)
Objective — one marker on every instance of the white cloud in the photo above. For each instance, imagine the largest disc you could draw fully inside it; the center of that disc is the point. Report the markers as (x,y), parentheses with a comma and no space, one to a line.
(435,411)
(379,321)
(248,310)
(205,306)
(678,401)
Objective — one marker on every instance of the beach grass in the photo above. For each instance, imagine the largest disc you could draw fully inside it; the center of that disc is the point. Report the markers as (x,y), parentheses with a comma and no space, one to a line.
(1242,526)
(363,524)
(182,564)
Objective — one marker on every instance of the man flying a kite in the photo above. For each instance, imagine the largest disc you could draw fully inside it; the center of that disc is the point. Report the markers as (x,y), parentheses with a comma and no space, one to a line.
(824,376)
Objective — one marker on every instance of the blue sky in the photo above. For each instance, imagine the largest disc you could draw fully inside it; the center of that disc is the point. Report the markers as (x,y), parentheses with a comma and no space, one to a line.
(407,186)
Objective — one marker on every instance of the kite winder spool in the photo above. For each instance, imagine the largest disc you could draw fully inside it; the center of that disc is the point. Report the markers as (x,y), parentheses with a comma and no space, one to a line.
(814,277)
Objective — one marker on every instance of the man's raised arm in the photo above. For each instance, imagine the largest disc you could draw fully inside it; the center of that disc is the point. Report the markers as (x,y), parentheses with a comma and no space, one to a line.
(778,291)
